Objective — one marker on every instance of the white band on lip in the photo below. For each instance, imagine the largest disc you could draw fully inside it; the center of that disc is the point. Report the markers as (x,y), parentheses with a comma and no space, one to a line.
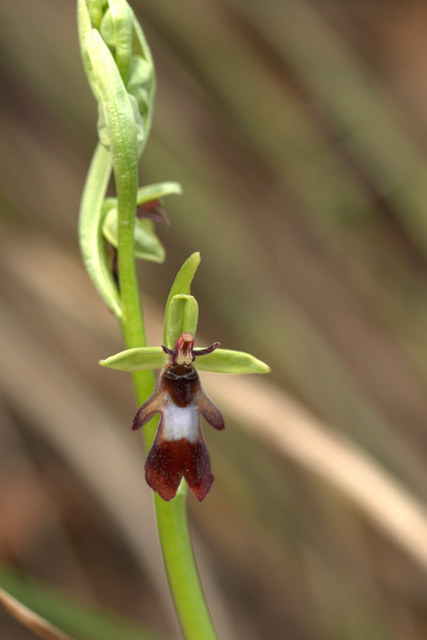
(180,422)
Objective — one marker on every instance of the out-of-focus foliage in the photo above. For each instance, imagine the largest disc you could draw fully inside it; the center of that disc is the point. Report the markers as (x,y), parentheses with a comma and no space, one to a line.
(80,620)
(298,130)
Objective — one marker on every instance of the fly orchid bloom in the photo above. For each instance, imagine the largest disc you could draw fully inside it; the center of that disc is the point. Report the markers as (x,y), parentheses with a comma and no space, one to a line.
(179,448)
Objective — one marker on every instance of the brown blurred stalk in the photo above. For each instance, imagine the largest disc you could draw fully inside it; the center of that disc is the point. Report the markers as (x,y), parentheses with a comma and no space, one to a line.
(29,619)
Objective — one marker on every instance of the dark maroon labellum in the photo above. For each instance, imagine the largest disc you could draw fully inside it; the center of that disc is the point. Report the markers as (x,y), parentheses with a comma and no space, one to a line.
(152,211)
(179,449)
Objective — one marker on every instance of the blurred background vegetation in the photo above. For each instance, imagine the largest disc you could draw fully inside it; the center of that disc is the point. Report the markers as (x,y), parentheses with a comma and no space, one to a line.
(298,129)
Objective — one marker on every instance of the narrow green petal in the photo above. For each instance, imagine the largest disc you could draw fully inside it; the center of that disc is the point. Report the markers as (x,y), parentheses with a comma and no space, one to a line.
(182,316)
(157,191)
(138,359)
(228,361)
(181,285)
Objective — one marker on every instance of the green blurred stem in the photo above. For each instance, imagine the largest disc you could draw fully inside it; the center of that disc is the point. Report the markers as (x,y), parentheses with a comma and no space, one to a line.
(187,591)
(181,568)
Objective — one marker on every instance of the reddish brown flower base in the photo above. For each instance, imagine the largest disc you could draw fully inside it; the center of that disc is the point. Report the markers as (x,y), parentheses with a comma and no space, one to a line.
(168,461)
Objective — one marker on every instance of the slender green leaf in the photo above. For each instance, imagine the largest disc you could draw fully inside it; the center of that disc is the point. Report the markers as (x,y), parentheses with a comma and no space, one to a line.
(92,245)
(228,361)
(137,359)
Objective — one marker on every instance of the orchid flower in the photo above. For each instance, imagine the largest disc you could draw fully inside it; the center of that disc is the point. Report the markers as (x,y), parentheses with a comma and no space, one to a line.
(178,449)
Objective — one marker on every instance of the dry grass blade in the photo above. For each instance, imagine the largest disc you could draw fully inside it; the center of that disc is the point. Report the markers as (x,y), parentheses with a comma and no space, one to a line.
(29,619)
(287,426)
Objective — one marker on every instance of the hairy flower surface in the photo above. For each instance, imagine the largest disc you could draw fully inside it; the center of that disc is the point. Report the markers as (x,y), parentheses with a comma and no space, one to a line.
(179,448)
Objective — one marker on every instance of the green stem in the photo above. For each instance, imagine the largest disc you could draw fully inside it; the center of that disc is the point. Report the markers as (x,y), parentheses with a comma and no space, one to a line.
(184,581)
(172,523)
(131,321)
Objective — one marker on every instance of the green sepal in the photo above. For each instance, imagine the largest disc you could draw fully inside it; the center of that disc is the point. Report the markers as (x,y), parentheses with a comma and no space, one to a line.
(181,285)
(228,361)
(116,31)
(157,191)
(137,359)
(182,316)
(147,245)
